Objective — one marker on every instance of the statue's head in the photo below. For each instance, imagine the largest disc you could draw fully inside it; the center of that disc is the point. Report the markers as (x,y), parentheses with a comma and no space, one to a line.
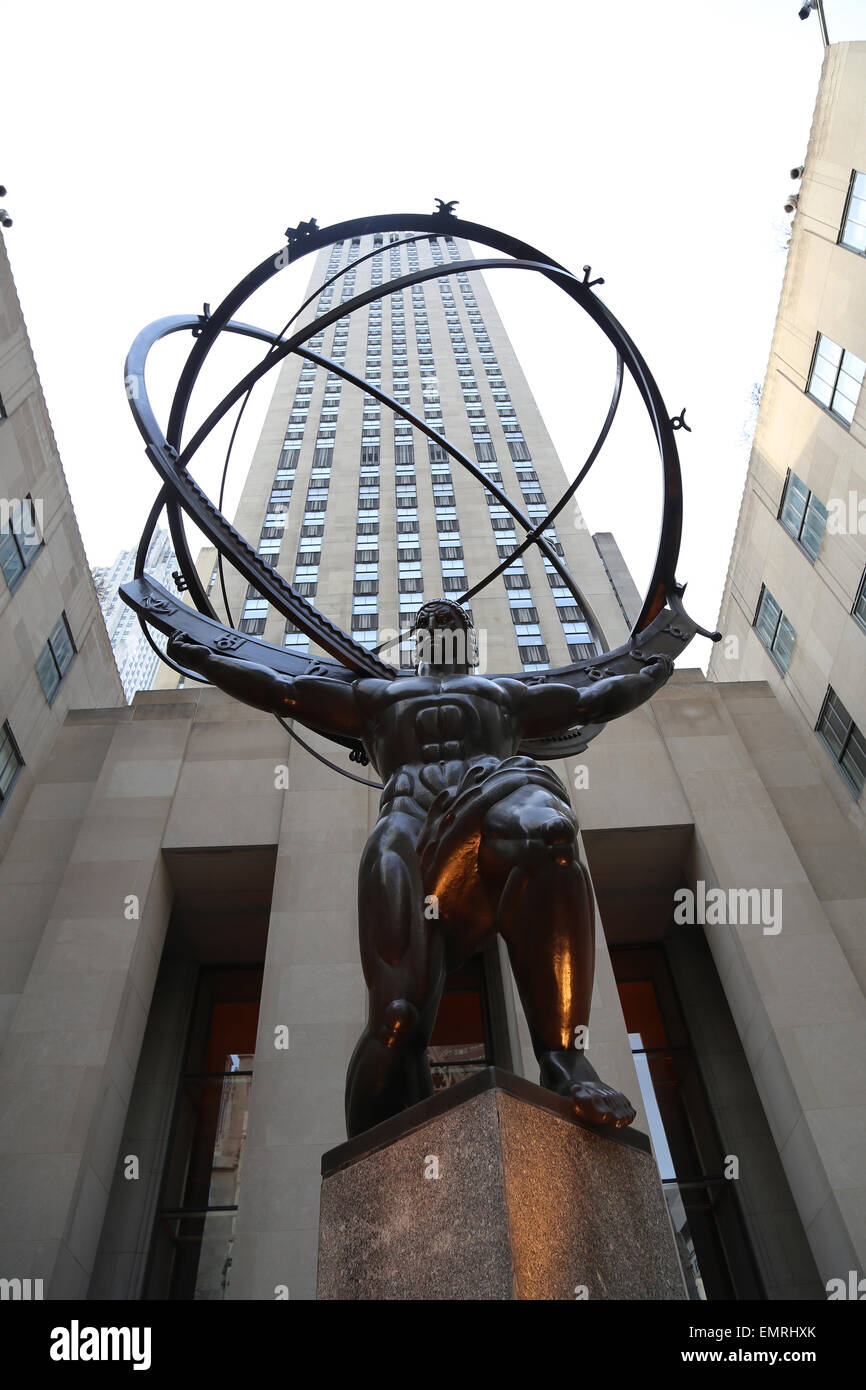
(444,637)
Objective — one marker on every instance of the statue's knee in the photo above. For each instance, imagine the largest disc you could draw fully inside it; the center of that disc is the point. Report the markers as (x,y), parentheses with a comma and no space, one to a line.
(399,1023)
(561,844)
(553,842)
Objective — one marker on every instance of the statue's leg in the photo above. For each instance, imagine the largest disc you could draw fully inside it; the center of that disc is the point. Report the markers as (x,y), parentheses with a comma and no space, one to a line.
(546,916)
(403,959)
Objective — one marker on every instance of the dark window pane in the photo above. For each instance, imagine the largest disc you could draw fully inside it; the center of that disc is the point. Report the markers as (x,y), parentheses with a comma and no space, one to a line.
(767,619)
(61,645)
(46,670)
(834,724)
(794,505)
(11,562)
(784,643)
(10,761)
(813,527)
(854,759)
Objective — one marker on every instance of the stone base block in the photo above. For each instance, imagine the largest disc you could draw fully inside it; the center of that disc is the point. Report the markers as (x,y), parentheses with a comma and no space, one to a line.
(493,1190)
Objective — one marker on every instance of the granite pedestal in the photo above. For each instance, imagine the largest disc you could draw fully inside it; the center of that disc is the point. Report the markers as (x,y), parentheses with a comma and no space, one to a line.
(493,1190)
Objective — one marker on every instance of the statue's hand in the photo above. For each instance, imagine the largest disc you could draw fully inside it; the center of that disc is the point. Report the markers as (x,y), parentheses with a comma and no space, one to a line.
(186,651)
(658,670)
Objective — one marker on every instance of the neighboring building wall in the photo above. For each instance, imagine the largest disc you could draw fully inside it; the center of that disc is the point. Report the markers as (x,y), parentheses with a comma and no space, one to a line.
(797,1004)
(55,580)
(184,769)
(824,292)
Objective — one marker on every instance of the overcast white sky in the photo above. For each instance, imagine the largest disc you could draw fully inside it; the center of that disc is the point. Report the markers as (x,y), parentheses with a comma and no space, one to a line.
(154,153)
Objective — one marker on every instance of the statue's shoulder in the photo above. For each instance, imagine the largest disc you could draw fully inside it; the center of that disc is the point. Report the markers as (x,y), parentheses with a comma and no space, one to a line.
(373,691)
(514,690)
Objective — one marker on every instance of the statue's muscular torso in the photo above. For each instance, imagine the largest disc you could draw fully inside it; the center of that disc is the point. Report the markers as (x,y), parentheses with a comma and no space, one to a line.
(423,732)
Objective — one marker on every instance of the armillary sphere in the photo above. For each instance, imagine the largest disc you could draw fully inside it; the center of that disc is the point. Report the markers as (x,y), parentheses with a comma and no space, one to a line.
(662,628)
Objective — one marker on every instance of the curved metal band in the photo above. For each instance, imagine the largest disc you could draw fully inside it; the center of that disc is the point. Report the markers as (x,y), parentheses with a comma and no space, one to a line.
(279,592)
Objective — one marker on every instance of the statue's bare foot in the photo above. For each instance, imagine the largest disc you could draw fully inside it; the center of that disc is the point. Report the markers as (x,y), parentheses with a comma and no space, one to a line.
(570,1074)
(601,1105)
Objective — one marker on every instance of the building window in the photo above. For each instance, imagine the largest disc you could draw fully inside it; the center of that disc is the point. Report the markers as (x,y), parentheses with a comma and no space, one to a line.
(533,653)
(20,539)
(853,233)
(859,609)
(253,618)
(298,641)
(55,658)
(710,1235)
(846,742)
(835,379)
(802,515)
(194,1229)
(11,763)
(577,633)
(774,630)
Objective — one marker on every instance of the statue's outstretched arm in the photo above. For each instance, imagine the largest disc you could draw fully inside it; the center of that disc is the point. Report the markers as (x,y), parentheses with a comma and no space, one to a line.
(323,704)
(551,708)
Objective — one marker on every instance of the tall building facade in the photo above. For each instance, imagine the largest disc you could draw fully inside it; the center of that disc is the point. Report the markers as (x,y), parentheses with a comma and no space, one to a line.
(795,597)
(179,1045)
(56,655)
(137,662)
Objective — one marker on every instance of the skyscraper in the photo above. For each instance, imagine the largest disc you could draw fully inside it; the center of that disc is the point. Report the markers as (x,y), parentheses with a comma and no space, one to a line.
(137,662)
(338,487)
